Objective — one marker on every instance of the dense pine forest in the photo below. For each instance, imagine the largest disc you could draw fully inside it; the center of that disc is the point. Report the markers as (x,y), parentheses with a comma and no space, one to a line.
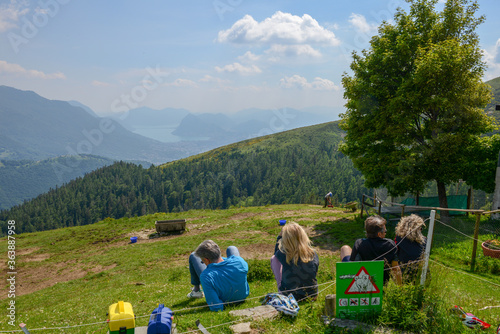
(297,166)
(25,179)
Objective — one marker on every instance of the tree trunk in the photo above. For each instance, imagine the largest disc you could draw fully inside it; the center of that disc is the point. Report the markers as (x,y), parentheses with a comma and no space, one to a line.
(443,201)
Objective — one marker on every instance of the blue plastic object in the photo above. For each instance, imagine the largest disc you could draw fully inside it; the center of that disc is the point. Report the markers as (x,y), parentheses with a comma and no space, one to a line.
(282,222)
(160,321)
(133,240)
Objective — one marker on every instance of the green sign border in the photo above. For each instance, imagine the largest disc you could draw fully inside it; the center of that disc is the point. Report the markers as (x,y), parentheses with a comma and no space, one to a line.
(355,305)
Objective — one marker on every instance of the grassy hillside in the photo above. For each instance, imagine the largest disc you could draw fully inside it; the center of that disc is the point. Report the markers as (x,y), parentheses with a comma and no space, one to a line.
(69,277)
(297,166)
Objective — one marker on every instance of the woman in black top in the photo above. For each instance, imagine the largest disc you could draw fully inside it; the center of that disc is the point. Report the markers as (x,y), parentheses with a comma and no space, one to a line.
(295,263)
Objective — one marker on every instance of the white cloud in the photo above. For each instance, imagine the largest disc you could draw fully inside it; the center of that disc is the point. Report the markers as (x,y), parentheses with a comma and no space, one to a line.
(238,68)
(249,57)
(18,70)
(492,58)
(10,13)
(324,84)
(497,52)
(183,83)
(209,78)
(359,22)
(97,83)
(297,81)
(281,28)
(293,50)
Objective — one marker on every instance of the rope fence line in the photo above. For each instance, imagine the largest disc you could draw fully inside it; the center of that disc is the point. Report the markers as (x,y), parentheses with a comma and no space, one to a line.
(478,214)
(424,208)
(330,283)
(181,310)
(465,273)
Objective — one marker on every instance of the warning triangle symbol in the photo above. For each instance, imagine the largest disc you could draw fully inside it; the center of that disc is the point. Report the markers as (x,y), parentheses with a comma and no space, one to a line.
(362,283)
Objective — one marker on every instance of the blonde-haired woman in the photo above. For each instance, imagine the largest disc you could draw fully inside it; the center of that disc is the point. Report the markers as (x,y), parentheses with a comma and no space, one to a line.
(295,263)
(411,244)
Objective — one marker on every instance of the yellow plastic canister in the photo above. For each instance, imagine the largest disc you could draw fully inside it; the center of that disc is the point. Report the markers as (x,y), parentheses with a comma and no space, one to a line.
(121,315)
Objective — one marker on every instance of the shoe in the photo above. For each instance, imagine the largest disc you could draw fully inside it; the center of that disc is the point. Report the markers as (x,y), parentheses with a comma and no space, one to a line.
(196,294)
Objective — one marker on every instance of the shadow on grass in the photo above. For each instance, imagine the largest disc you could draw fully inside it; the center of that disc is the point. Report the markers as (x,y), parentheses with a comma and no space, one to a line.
(332,235)
(190,306)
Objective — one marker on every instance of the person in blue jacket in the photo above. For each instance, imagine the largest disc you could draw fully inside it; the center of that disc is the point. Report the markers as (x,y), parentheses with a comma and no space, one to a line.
(224,280)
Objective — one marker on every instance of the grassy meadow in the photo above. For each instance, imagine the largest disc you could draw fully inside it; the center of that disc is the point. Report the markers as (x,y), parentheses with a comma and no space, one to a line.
(69,277)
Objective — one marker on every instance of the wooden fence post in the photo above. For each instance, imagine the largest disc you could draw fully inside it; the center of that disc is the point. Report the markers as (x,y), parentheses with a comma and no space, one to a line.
(330,306)
(474,248)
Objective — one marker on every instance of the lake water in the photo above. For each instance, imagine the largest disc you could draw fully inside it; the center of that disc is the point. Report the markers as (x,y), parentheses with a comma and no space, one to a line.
(164,134)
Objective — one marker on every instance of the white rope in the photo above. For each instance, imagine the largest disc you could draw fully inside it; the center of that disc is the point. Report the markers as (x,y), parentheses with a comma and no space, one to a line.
(463,272)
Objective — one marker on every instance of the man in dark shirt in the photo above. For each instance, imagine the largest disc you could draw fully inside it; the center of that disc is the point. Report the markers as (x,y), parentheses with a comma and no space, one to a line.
(374,247)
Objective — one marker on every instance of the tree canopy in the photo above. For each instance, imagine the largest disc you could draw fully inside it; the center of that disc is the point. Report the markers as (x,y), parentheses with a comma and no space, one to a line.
(415,99)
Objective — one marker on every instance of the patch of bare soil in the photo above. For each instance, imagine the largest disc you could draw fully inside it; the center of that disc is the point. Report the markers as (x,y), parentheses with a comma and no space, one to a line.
(30,279)
(26,251)
(36,258)
(150,235)
(244,215)
(301,214)
(34,279)
(324,244)
(257,251)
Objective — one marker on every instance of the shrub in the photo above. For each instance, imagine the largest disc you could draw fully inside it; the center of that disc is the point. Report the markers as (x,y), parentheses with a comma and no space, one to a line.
(259,270)
(412,308)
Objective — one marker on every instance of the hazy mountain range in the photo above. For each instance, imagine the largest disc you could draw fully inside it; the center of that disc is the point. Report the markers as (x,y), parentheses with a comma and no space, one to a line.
(174,125)
(41,134)
(35,128)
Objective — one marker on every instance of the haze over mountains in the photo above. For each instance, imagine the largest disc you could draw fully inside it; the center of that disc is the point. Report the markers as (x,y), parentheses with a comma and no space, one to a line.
(174,125)
(34,129)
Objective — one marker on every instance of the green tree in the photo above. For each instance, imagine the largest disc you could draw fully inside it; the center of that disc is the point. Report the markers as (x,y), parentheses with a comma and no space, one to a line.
(416,99)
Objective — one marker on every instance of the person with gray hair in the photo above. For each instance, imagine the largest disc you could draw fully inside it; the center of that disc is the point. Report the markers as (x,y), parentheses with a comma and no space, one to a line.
(374,247)
(411,245)
(224,279)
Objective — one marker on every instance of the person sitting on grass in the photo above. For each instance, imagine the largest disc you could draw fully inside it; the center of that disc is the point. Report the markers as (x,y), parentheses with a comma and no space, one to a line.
(224,280)
(411,245)
(375,247)
(295,263)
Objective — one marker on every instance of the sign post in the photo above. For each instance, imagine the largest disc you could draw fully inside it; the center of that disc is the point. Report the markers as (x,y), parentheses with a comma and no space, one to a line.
(359,288)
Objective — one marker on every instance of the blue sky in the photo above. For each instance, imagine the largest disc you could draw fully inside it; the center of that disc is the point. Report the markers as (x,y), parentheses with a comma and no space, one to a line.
(202,55)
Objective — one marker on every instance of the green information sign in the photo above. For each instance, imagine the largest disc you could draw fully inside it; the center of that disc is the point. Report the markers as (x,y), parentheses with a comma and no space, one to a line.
(359,288)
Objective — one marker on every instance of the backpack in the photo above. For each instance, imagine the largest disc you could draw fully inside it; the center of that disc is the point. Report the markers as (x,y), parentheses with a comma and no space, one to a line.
(282,303)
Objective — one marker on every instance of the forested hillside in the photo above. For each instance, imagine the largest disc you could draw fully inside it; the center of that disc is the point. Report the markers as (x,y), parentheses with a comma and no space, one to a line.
(495,90)
(25,179)
(297,166)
